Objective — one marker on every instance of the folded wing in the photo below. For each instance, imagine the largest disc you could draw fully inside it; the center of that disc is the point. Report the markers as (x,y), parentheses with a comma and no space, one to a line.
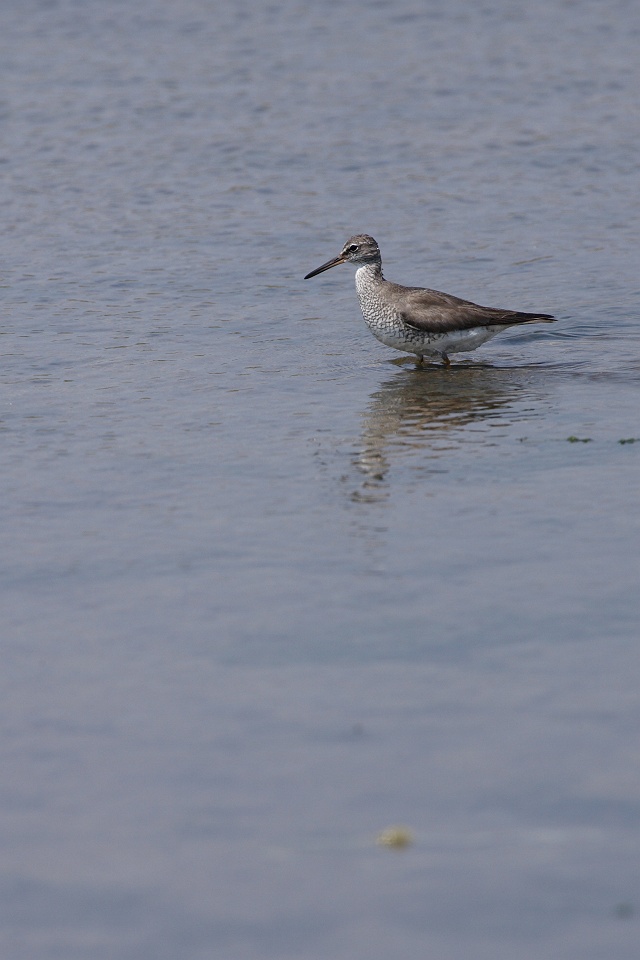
(434,312)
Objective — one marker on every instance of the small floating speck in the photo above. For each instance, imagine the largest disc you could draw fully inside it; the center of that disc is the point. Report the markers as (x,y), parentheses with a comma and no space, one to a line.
(397,837)
(624,911)
(579,439)
(629,440)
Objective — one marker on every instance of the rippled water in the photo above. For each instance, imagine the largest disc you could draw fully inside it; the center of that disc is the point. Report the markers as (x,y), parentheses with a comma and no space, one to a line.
(269,589)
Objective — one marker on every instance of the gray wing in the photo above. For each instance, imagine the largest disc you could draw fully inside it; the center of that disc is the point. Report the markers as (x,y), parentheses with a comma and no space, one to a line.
(434,312)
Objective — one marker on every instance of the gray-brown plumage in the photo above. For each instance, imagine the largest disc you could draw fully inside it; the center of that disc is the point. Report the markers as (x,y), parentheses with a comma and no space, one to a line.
(415,319)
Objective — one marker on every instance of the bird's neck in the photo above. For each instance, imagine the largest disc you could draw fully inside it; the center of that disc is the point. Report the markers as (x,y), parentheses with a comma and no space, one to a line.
(369,273)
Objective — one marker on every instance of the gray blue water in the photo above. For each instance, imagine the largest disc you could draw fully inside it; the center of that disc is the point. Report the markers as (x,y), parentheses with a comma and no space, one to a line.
(267,589)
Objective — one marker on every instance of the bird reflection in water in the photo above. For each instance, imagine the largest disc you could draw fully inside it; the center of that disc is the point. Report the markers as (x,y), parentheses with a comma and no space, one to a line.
(430,416)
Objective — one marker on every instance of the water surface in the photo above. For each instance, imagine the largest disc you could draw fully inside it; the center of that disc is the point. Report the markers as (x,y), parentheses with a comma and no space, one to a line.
(267,588)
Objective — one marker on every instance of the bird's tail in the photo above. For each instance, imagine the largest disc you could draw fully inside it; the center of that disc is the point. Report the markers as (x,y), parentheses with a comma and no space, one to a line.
(529,318)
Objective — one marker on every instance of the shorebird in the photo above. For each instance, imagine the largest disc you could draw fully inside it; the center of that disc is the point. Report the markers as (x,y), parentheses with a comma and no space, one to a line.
(415,319)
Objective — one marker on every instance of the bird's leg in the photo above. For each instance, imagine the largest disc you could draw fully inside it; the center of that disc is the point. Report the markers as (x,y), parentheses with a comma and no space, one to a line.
(445,360)
(419,359)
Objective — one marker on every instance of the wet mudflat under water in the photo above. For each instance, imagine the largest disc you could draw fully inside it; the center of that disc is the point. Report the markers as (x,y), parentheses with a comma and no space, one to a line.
(269,589)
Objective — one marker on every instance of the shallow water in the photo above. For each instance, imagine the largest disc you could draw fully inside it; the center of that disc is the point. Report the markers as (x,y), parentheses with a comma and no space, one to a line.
(267,587)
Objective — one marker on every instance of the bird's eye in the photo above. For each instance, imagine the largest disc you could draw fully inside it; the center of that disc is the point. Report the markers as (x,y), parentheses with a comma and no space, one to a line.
(353,248)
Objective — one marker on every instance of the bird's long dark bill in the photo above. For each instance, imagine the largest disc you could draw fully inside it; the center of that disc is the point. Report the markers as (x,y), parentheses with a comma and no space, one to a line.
(325,266)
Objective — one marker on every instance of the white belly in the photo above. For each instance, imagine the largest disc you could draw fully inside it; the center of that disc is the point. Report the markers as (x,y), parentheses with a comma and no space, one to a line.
(460,340)
(433,343)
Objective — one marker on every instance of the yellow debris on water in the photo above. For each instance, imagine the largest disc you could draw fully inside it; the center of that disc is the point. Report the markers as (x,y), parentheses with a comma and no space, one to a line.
(397,837)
